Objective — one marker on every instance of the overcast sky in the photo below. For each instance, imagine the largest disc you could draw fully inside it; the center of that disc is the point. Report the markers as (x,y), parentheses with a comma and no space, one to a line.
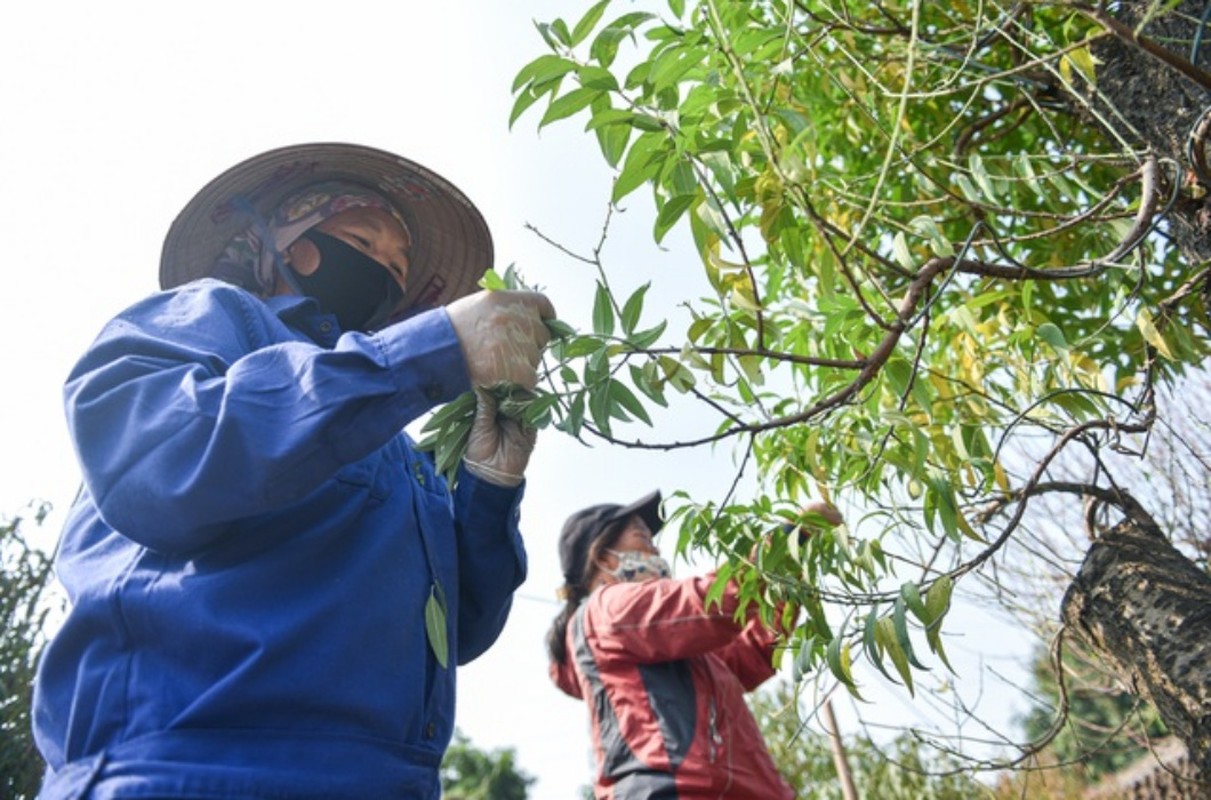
(116,113)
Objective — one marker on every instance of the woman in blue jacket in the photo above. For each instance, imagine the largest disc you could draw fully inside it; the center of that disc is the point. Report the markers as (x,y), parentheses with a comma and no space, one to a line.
(257,545)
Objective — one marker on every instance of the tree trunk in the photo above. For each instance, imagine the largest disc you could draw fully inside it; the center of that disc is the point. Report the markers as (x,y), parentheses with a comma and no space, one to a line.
(1146,609)
(1161,105)
(1142,605)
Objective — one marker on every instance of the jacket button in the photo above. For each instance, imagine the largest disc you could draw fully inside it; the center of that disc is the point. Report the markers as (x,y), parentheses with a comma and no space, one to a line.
(430,730)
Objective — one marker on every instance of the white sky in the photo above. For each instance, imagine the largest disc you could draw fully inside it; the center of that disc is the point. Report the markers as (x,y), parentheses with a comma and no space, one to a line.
(116,113)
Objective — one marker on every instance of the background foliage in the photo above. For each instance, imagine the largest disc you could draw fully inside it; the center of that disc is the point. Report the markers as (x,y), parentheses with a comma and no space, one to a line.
(904,769)
(24,606)
(468,773)
(939,257)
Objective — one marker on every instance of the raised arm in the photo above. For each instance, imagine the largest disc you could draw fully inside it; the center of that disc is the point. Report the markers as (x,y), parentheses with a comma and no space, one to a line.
(660,620)
(198,407)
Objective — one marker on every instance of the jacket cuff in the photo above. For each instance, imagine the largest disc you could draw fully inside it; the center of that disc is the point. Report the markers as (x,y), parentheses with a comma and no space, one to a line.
(424,356)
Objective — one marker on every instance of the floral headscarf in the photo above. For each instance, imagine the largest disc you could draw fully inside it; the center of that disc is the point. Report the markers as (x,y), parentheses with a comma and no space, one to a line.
(251,262)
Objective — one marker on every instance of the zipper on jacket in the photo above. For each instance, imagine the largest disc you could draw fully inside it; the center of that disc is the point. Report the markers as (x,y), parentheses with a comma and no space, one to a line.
(715,740)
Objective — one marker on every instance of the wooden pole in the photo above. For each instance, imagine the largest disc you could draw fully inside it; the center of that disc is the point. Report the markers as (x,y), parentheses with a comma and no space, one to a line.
(838,747)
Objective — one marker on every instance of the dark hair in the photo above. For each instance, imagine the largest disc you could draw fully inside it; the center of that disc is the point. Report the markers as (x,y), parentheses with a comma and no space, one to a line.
(574,594)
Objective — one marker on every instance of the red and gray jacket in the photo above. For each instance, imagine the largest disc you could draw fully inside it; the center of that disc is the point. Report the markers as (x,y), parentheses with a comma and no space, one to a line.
(664,679)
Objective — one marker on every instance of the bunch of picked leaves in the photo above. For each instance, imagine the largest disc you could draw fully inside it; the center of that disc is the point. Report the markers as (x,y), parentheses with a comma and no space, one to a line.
(448,431)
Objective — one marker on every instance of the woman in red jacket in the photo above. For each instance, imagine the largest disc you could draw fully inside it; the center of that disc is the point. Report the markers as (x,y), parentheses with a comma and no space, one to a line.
(664,676)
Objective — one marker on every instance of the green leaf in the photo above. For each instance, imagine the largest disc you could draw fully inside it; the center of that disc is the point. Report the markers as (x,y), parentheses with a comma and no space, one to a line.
(885,634)
(609,116)
(492,281)
(940,497)
(925,226)
(633,308)
(806,658)
(569,104)
(871,644)
(435,624)
(647,123)
(559,29)
(605,47)
(600,78)
(1024,169)
(899,246)
(451,442)
(1053,336)
(642,163)
(644,339)
(671,65)
(613,141)
(574,421)
(603,312)
(559,329)
(670,212)
(581,346)
(548,36)
(588,22)
(624,397)
(980,173)
(899,619)
(457,408)
(967,188)
(523,102)
(840,664)
(714,595)
(937,604)
(542,71)
(937,598)
(599,406)
(647,381)
(911,593)
(676,373)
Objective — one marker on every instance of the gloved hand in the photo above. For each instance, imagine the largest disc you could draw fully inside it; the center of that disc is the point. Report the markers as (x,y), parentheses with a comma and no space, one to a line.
(498,448)
(502,336)
(820,508)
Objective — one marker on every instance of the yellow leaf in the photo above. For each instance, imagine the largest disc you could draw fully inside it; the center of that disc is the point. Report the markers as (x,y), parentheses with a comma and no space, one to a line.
(1085,63)
(966,529)
(998,474)
(741,297)
(1151,335)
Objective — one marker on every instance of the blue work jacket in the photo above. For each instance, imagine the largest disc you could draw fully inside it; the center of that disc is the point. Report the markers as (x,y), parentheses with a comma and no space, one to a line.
(251,554)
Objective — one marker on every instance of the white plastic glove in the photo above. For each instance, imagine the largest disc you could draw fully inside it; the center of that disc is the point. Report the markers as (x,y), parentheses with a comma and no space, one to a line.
(498,448)
(502,337)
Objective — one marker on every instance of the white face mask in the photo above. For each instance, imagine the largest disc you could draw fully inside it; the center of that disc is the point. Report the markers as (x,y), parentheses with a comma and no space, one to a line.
(639,565)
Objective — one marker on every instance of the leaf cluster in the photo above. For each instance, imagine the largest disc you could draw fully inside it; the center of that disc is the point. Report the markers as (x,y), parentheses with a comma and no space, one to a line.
(469,773)
(903,769)
(923,244)
(585,384)
(24,575)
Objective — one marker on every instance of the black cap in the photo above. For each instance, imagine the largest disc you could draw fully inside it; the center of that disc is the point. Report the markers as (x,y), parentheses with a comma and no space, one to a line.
(585,526)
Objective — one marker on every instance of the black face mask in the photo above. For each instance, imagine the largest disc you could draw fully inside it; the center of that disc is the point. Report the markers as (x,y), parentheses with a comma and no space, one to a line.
(349,284)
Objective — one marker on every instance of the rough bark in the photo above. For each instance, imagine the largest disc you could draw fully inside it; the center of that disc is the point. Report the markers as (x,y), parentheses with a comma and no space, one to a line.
(1137,600)
(1160,105)
(1146,609)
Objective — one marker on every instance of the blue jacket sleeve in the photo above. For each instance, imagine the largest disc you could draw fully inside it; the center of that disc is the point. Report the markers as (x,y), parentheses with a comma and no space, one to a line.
(491,560)
(199,406)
